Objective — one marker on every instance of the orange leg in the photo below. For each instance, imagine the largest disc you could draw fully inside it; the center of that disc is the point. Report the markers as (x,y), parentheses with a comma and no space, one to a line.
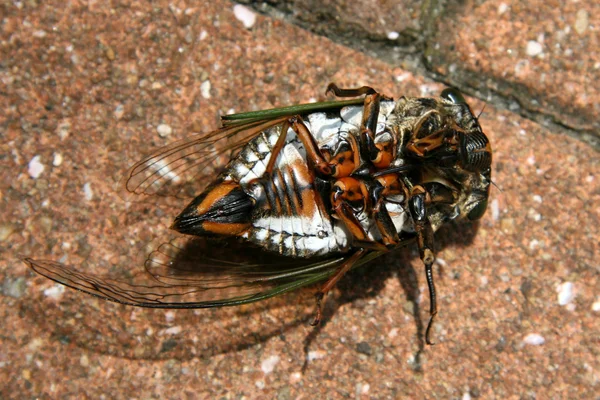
(380,154)
(342,163)
(345,267)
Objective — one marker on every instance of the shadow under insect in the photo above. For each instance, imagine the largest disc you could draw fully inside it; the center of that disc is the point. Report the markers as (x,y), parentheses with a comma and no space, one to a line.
(137,333)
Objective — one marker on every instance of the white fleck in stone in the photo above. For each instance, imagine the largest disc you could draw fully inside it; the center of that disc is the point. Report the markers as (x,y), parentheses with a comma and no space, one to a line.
(203,35)
(596,306)
(533,48)
(365,388)
(522,132)
(427,90)
(13,287)
(541,37)
(84,361)
(315,355)
(393,35)
(534,244)
(63,129)
(403,77)
(531,160)
(534,339)
(483,280)
(260,384)
(205,89)
(174,330)
(35,167)
(582,21)
(502,8)
(164,130)
(295,377)
(39,34)
(268,365)
(87,191)
(589,178)
(55,292)
(566,293)
(393,333)
(495,206)
(119,111)
(537,198)
(245,15)
(5,231)
(466,396)
(441,262)
(35,344)
(57,160)
(169,316)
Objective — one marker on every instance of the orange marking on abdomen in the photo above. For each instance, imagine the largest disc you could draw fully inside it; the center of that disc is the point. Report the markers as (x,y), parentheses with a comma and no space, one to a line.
(225,229)
(217,193)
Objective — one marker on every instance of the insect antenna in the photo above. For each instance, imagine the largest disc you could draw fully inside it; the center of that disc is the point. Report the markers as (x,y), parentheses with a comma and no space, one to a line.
(497,187)
(480,112)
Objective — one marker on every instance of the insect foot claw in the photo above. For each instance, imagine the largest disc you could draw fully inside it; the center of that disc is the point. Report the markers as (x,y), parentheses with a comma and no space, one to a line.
(319,316)
(428,331)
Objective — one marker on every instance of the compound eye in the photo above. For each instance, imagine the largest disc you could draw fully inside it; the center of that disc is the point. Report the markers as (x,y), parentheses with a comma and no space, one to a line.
(453,95)
(478,211)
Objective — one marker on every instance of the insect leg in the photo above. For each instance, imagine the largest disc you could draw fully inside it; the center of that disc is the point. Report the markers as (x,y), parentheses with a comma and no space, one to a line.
(278,146)
(385,225)
(313,153)
(418,211)
(345,267)
(349,191)
(380,154)
(333,88)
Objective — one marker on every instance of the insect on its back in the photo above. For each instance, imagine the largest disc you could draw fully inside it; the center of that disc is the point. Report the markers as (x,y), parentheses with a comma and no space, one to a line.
(330,185)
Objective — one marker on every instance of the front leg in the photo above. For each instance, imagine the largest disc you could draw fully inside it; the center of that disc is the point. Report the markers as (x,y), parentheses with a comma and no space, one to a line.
(342,162)
(333,88)
(379,154)
(418,212)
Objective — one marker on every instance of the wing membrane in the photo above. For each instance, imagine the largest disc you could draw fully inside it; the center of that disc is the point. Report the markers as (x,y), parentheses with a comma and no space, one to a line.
(184,168)
(200,274)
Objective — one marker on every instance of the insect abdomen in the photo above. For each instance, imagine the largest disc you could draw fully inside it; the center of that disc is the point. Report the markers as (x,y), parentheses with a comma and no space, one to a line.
(290,217)
(223,209)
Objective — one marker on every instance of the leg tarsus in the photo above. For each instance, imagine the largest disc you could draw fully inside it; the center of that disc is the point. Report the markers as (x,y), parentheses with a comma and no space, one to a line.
(319,297)
(432,303)
(341,271)
(424,232)
(333,88)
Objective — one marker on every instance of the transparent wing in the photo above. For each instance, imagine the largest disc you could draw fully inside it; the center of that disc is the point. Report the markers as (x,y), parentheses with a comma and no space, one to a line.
(201,273)
(184,168)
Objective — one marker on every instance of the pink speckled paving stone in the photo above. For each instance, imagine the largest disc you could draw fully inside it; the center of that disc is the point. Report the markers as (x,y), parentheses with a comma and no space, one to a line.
(85,88)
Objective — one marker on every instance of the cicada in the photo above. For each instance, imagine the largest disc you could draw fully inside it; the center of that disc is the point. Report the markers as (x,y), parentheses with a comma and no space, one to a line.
(322,187)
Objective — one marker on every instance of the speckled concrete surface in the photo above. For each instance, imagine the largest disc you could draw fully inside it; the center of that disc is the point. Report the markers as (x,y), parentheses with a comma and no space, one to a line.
(83,91)
(543,55)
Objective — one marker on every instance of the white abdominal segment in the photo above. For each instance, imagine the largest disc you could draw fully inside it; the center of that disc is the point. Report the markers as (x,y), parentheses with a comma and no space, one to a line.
(308,231)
